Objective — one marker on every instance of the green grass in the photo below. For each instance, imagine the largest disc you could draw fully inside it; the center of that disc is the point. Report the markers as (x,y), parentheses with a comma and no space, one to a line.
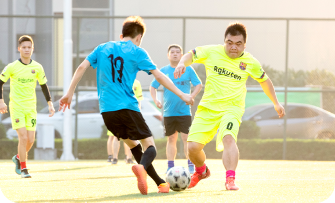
(99,181)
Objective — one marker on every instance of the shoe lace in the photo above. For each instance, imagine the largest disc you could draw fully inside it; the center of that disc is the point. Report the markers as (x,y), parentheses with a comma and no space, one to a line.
(25,170)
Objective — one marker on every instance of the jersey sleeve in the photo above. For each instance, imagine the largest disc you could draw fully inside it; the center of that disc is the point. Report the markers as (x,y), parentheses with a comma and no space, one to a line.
(195,80)
(93,57)
(200,54)
(256,72)
(6,73)
(42,79)
(144,62)
(138,90)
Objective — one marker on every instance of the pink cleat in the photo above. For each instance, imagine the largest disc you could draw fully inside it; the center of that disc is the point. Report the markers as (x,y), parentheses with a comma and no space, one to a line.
(230,184)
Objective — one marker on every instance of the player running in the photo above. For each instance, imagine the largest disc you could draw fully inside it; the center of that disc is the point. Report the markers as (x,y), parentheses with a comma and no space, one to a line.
(113,145)
(228,67)
(117,63)
(177,115)
(23,74)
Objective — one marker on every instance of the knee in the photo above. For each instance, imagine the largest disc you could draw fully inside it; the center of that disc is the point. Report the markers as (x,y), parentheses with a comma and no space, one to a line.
(228,141)
(23,139)
(173,138)
(31,141)
(193,147)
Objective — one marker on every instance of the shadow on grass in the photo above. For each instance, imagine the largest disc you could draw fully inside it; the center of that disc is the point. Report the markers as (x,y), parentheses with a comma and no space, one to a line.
(71,169)
(134,197)
(95,178)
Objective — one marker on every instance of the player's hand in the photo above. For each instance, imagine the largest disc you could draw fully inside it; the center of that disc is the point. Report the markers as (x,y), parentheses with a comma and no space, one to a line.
(158,104)
(280,110)
(51,109)
(64,102)
(188,99)
(3,108)
(179,70)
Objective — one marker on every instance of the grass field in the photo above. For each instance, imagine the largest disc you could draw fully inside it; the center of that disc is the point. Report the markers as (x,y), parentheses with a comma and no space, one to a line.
(99,181)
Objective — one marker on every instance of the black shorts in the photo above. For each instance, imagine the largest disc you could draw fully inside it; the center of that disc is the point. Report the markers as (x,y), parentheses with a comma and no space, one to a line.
(177,123)
(126,124)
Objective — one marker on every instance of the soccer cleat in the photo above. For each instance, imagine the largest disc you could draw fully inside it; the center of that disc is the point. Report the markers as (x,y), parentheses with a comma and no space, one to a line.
(141,175)
(17,165)
(129,161)
(114,161)
(164,188)
(109,159)
(25,174)
(168,170)
(230,184)
(191,169)
(195,178)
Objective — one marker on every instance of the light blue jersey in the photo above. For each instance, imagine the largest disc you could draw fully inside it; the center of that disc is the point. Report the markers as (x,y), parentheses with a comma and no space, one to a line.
(117,64)
(173,105)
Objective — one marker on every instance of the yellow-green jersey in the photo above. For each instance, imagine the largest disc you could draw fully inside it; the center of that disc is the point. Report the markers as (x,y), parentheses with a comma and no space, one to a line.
(137,90)
(23,83)
(226,77)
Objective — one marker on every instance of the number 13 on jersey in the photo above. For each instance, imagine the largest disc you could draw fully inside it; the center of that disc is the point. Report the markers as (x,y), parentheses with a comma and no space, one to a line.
(114,67)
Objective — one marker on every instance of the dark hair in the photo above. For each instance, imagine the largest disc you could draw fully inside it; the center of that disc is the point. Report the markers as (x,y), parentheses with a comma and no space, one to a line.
(175,46)
(235,29)
(133,26)
(26,38)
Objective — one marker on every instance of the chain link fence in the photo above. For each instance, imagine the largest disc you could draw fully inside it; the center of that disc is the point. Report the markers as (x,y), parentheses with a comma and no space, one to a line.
(297,54)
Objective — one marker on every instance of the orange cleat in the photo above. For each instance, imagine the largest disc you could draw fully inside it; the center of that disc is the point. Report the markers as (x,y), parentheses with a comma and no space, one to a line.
(196,177)
(141,175)
(230,184)
(164,188)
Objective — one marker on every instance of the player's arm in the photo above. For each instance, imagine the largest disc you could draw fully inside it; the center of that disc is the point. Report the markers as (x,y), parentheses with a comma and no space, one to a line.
(153,92)
(167,83)
(3,106)
(46,93)
(269,90)
(65,101)
(185,61)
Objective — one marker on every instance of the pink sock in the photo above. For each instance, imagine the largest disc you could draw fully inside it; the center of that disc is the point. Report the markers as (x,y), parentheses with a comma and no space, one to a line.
(230,173)
(17,156)
(200,169)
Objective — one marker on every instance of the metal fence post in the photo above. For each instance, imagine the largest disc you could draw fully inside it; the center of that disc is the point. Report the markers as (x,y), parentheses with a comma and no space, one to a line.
(286,84)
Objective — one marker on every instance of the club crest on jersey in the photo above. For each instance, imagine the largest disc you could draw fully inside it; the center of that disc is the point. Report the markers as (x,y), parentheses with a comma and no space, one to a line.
(33,71)
(243,66)
(17,120)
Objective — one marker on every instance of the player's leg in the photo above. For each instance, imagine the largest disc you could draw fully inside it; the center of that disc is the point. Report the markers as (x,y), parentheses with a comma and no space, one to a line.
(110,146)
(203,129)
(128,154)
(171,149)
(18,121)
(30,141)
(22,149)
(116,149)
(183,126)
(229,128)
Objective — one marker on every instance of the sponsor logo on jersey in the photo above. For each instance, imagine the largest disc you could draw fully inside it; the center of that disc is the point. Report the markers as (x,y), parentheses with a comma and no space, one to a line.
(33,71)
(23,80)
(243,66)
(4,70)
(223,71)
(17,120)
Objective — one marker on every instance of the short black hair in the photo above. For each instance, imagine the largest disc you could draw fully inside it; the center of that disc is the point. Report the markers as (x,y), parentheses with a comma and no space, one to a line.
(235,29)
(133,26)
(26,38)
(175,46)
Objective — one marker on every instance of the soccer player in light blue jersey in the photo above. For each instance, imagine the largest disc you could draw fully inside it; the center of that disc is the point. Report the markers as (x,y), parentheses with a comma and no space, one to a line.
(117,63)
(177,115)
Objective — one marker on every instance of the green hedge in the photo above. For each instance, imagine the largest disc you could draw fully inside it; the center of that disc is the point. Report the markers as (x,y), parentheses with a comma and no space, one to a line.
(255,149)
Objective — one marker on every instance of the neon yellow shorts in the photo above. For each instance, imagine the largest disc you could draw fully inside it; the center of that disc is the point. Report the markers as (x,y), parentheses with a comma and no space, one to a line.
(23,118)
(207,122)
(109,133)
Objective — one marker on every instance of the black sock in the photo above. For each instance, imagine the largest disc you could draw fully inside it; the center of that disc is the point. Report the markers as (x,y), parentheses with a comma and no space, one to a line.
(148,157)
(137,153)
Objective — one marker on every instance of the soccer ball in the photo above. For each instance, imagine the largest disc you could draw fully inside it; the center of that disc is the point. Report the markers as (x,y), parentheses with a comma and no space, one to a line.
(179,178)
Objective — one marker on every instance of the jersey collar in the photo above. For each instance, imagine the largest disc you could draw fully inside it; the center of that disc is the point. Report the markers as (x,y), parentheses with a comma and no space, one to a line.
(24,63)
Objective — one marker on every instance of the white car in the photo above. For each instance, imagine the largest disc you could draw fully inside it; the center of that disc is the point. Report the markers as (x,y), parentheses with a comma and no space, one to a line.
(90,121)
